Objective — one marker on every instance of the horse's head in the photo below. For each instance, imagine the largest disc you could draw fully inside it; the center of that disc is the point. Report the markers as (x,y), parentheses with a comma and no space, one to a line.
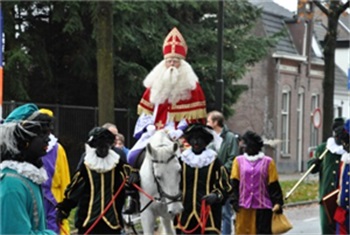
(167,172)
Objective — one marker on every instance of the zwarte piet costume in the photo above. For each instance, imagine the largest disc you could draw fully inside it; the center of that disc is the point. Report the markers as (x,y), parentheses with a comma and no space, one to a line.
(256,189)
(57,168)
(94,185)
(204,177)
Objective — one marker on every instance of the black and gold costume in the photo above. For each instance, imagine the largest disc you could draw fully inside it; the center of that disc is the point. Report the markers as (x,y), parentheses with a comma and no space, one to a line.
(91,192)
(196,183)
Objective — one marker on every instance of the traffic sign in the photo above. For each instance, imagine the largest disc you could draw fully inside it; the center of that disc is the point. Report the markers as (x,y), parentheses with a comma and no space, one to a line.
(316,118)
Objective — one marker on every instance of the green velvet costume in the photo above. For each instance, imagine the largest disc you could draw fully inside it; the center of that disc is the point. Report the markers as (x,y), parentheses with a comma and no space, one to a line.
(328,170)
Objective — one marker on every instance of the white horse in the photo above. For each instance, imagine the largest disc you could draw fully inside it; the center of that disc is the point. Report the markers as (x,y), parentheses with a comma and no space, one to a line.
(160,175)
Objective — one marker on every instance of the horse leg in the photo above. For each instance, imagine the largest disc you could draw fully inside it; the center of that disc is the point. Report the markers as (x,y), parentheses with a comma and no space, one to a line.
(148,222)
(167,226)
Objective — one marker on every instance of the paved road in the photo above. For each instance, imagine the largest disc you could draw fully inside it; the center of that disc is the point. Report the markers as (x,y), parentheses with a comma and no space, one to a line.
(305,219)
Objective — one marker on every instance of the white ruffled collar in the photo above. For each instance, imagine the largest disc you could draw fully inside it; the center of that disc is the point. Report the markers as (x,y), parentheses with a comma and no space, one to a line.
(52,142)
(101,165)
(333,147)
(198,161)
(253,158)
(27,170)
(345,158)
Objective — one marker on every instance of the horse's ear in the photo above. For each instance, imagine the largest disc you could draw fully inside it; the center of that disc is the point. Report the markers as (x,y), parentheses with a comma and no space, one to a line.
(149,148)
(176,146)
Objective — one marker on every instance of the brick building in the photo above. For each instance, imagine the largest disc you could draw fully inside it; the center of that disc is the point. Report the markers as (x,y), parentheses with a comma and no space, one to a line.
(284,90)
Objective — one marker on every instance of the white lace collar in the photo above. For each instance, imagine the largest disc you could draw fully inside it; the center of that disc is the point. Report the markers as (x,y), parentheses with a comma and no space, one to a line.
(333,147)
(27,170)
(345,158)
(52,142)
(101,165)
(260,155)
(198,161)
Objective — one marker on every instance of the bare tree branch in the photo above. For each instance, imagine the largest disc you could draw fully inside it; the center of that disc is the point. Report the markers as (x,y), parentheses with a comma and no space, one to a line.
(321,7)
(343,8)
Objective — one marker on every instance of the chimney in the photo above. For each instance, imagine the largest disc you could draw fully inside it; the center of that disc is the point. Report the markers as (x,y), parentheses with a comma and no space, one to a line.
(305,17)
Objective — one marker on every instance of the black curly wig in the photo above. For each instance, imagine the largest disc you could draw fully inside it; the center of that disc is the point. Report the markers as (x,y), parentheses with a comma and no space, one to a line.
(253,143)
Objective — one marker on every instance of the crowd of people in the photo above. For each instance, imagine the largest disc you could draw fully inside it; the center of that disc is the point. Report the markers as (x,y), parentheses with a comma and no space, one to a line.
(229,173)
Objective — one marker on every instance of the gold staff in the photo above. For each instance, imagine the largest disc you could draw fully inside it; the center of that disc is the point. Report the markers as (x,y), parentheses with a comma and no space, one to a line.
(306,174)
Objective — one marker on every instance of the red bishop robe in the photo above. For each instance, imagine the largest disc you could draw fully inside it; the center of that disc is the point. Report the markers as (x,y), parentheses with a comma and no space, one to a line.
(193,109)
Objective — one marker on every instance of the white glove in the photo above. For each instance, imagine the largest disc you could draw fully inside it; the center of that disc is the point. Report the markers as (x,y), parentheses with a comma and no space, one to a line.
(175,134)
(151,129)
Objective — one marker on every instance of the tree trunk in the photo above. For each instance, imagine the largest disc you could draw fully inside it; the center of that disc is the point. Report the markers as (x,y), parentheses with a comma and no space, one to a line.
(105,80)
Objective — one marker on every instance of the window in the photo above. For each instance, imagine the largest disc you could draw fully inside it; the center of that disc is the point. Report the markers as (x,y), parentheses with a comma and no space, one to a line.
(285,117)
(338,110)
(315,102)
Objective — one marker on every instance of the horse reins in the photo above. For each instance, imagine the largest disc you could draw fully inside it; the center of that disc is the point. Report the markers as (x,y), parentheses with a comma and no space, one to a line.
(173,198)
(147,195)
(106,208)
(204,214)
(160,191)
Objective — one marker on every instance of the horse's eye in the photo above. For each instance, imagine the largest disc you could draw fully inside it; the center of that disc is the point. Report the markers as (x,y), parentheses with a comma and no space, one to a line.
(158,177)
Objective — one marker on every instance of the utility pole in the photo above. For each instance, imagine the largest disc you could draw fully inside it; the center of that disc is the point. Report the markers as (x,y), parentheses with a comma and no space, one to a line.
(219,86)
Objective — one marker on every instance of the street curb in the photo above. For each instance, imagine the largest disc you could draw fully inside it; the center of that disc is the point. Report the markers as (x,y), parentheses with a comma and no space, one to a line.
(301,203)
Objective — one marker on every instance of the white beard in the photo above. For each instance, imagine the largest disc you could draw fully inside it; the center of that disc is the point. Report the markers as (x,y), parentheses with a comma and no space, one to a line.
(171,84)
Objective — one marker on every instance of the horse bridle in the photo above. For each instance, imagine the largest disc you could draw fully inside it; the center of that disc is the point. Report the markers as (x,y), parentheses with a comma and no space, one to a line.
(162,193)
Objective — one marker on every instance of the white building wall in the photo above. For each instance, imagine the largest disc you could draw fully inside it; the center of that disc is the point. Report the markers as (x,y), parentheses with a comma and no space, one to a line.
(341,93)
(343,101)
(342,58)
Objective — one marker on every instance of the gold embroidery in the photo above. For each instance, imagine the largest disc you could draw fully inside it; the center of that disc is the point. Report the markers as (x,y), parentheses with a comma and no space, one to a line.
(147,103)
(76,179)
(188,106)
(92,189)
(159,125)
(170,40)
(195,114)
(109,223)
(141,110)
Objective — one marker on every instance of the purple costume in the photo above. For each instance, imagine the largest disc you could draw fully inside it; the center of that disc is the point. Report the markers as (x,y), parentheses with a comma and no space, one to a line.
(49,200)
(254,174)
(56,165)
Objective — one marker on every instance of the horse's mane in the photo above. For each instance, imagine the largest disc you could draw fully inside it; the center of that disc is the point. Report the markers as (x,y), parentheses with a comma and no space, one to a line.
(159,139)
(161,143)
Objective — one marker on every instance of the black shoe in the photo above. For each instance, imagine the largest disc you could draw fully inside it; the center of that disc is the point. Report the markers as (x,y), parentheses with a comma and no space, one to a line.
(131,206)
